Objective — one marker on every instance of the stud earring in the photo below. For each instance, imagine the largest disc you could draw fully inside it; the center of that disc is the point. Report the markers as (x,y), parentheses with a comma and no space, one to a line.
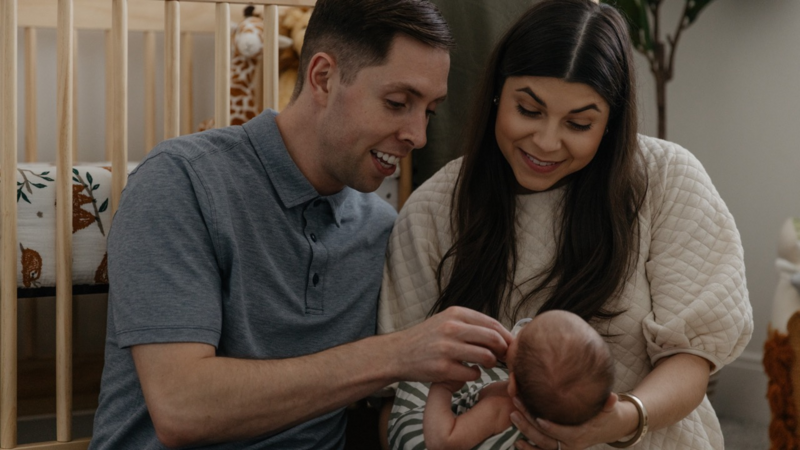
(605,132)
(496,100)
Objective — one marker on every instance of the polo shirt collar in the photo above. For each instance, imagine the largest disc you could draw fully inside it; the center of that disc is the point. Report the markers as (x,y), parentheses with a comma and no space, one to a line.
(291,185)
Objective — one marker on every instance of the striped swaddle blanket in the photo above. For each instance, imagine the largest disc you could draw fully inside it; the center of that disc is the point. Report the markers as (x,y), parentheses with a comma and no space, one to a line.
(405,421)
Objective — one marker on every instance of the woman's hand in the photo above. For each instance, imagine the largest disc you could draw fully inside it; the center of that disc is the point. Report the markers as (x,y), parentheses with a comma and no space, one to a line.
(615,421)
(675,387)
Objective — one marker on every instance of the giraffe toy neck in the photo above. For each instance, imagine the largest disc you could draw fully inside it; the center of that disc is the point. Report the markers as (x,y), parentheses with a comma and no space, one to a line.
(248,43)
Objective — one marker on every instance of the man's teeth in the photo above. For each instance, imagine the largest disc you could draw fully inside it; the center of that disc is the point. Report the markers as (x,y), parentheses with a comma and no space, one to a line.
(539,163)
(386,158)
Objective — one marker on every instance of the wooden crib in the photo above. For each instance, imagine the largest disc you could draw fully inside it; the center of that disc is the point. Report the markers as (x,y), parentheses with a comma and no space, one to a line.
(178,20)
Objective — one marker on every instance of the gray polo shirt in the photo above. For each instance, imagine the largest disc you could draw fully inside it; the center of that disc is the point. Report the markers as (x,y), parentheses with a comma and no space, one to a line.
(220,239)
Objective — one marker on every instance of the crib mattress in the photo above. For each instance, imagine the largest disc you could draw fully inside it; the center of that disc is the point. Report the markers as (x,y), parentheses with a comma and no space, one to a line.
(36,223)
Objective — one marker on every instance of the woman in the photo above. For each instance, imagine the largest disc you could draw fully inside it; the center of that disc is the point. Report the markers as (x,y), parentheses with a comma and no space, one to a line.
(558,204)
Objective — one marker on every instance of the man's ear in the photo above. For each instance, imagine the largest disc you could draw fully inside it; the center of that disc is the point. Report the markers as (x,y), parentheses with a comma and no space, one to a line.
(321,70)
(512,385)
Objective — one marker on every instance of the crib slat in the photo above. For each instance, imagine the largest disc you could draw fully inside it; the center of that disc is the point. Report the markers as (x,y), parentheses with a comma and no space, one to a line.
(8,271)
(109,87)
(270,57)
(172,68)
(187,103)
(222,62)
(149,90)
(119,154)
(65,105)
(74,91)
(31,123)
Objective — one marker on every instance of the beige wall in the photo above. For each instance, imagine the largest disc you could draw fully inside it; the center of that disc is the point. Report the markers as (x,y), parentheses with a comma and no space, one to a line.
(734,102)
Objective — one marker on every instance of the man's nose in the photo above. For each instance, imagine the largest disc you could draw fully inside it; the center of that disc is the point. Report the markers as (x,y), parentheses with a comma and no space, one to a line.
(414,130)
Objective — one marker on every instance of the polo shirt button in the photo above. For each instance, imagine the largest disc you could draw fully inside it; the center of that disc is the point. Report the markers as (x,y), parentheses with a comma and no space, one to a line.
(315,279)
(313,237)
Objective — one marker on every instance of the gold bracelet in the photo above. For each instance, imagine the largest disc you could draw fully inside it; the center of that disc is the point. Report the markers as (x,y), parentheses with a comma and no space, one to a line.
(641,430)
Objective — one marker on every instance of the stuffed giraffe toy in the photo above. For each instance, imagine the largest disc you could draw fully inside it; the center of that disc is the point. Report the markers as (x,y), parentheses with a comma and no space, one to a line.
(248,41)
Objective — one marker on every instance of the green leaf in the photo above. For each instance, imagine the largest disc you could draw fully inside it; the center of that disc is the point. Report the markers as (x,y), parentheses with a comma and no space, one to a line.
(18,194)
(19,183)
(24,197)
(94,188)
(75,171)
(44,173)
(37,185)
(693,8)
(76,180)
(104,206)
(638,21)
(47,179)
(89,177)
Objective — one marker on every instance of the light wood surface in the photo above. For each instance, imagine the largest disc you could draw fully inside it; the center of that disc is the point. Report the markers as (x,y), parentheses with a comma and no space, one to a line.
(196,16)
(78,444)
(187,77)
(119,153)
(271,57)
(31,122)
(265,2)
(172,69)
(149,90)
(109,87)
(8,194)
(75,71)
(404,184)
(64,106)
(222,65)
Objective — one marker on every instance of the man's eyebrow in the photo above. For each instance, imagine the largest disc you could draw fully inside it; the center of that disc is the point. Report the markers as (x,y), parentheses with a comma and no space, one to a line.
(528,91)
(413,91)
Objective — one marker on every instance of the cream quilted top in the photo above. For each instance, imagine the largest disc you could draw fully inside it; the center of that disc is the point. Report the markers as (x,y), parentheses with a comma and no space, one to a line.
(688,294)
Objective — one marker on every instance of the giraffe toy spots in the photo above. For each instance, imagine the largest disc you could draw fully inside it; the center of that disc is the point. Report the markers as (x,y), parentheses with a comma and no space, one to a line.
(248,41)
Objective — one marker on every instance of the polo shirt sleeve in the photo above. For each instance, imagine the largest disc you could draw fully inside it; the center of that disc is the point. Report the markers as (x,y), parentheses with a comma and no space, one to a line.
(165,283)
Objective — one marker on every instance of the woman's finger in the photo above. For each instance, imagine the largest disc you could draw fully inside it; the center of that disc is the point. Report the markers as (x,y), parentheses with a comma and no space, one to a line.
(532,433)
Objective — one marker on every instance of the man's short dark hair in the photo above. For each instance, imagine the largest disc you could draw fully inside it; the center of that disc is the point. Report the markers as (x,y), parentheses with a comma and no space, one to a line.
(359,33)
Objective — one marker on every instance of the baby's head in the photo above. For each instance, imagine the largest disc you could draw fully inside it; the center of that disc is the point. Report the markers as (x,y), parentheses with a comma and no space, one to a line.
(561,368)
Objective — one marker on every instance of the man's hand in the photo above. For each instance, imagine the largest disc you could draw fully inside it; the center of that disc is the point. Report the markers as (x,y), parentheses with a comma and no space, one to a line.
(435,349)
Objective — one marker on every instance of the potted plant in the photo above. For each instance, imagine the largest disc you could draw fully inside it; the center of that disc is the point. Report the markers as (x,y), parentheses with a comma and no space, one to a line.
(644,17)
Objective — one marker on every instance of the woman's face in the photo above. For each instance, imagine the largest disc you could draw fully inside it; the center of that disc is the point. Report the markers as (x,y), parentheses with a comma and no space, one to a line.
(548,128)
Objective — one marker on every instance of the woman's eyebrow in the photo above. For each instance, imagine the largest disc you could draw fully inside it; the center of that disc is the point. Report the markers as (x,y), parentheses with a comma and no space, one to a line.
(538,100)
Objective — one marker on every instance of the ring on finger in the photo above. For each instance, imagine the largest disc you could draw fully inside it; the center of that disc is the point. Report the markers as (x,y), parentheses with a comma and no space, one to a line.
(559,445)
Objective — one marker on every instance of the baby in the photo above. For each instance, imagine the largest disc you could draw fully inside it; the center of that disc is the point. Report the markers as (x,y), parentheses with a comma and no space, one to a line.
(559,367)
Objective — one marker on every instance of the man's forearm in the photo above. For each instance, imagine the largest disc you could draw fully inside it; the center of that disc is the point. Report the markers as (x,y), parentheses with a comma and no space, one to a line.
(198,398)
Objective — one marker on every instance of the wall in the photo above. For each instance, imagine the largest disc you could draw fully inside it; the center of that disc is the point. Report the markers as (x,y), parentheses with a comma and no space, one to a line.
(733,102)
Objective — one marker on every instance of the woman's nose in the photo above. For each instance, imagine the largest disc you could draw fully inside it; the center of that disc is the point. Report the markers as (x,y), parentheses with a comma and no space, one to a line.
(547,137)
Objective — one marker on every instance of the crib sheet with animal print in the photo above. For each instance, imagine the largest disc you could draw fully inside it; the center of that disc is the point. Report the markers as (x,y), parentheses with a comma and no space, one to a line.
(36,223)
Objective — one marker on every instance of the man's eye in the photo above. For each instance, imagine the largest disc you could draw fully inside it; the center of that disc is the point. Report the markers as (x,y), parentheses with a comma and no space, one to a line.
(430,112)
(395,105)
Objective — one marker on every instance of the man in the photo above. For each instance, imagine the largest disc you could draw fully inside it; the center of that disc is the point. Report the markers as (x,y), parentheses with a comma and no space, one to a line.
(245,262)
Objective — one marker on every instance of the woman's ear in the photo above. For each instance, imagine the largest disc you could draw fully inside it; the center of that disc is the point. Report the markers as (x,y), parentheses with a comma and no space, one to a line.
(321,69)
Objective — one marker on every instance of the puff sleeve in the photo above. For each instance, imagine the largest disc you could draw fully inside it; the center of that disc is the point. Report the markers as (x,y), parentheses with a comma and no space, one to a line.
(695,265)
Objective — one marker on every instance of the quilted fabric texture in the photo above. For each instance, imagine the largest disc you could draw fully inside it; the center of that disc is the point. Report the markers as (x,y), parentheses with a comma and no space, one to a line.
(687,295)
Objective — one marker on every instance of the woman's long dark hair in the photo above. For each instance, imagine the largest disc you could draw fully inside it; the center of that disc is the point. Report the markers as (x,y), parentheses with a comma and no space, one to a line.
(597,235)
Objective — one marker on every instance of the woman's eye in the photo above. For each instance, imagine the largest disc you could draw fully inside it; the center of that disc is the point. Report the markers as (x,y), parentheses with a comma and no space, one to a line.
(580,127)
(527,112)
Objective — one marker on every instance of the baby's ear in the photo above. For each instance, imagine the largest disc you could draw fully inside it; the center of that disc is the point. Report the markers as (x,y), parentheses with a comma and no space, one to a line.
(512,385)
(610,402)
